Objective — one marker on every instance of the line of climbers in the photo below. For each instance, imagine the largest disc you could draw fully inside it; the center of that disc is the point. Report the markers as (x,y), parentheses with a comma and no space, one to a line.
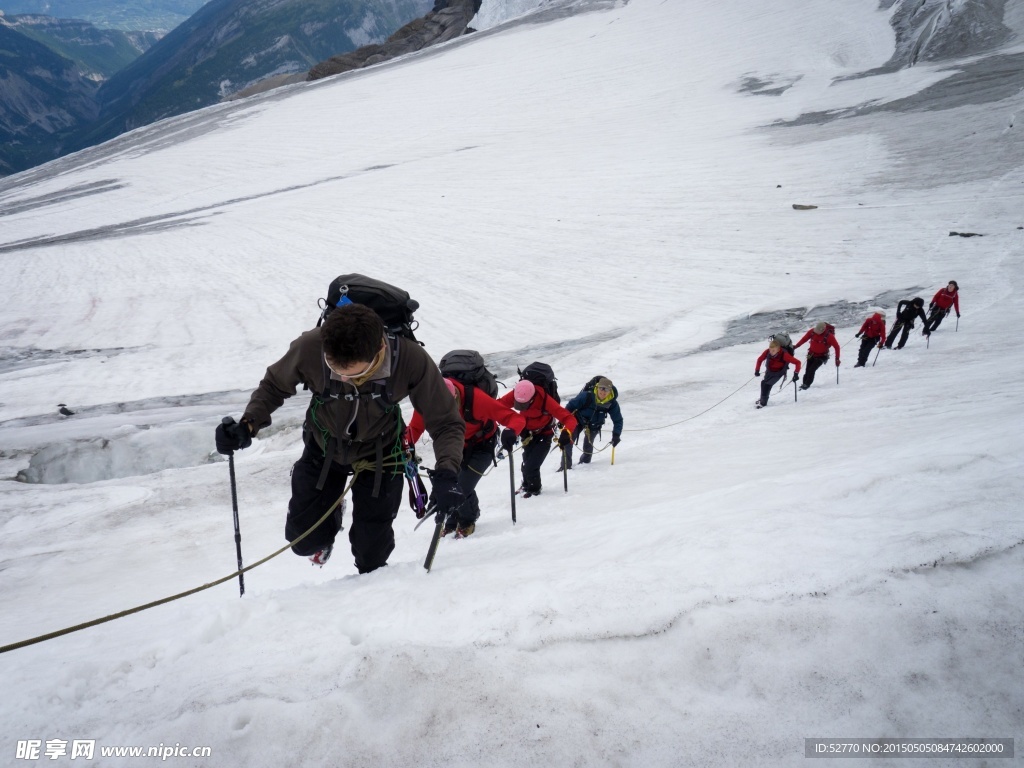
(363,359)
(780,353)
(359,363)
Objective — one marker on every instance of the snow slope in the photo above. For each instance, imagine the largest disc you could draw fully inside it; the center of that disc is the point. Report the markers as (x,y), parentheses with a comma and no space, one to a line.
(598,185)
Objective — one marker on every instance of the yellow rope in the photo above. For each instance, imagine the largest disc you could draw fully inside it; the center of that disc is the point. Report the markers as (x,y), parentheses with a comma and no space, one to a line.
(95,622)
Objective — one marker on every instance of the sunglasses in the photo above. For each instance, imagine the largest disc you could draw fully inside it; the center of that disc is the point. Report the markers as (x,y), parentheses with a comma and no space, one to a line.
(347,376)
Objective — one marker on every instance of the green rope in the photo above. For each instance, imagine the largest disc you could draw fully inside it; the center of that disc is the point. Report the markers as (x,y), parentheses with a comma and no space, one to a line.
(357,467)
(324,432)
(397,455)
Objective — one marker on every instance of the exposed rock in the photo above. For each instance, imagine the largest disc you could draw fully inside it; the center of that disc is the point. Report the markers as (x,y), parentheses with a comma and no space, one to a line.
(798,207)
(965,234)
(767,85)
(448,19)
(936,30)
(268,85)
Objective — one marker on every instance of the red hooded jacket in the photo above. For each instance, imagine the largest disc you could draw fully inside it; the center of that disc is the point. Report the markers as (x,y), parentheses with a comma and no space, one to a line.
(874,328)
(820,342)
(944,300)
(542,412)
(776,362)
(485,408)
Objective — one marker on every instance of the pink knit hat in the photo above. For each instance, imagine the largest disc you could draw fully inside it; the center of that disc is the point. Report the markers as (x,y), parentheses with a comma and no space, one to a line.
(523,394)
(451,387)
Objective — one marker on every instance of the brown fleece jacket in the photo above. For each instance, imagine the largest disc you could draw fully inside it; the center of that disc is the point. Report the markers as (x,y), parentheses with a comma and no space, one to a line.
(358,423)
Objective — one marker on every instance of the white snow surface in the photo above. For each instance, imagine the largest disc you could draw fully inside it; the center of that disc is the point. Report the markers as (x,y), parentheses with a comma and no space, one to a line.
(596,191)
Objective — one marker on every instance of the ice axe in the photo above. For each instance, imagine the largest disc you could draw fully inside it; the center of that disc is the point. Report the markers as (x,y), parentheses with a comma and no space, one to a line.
(512,483)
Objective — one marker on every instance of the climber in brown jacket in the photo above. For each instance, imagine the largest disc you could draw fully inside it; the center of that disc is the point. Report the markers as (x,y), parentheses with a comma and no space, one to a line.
(358,374)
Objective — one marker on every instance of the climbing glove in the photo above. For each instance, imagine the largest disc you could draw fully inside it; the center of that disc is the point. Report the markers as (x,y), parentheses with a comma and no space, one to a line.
(508,440)
(232,436)
(447,493)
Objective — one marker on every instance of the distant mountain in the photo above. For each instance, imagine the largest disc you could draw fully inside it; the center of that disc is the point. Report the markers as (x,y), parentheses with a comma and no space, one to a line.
(100,52)
(230,44)
(146,15)
(44,98)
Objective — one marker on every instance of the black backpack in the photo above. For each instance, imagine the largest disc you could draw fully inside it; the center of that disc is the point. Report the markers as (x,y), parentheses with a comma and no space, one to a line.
(467,367)
(541,375)
(394,305)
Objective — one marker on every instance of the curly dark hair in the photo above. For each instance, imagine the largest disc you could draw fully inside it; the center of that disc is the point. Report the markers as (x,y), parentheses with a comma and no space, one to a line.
(352,334)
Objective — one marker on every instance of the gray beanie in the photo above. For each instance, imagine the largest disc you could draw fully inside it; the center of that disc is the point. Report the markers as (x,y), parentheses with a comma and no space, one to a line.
(819,327)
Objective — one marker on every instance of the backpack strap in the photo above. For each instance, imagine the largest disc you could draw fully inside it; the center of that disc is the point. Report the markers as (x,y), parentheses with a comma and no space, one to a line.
(382,391)
(467,404)
(487,426)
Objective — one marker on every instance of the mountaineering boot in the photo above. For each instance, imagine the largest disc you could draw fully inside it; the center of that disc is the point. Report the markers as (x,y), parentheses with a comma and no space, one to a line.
(561,465)
(450,525)
(322,556)
(803,387)
(465,530)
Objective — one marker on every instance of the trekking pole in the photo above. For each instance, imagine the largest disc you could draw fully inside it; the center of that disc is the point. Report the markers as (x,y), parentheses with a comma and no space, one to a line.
(837,375)
(565,472)
(613,455)
(794,392)
(234,509)
(957,324)
(928,341)
(876,355)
